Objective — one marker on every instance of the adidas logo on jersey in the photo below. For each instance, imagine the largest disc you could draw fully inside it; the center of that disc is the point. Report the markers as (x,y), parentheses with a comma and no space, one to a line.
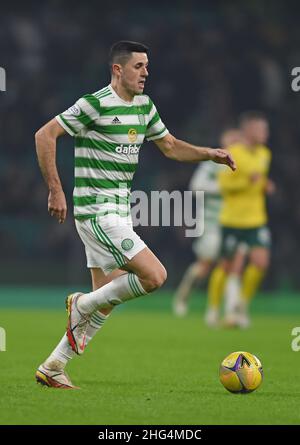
(116,121)
(128,149)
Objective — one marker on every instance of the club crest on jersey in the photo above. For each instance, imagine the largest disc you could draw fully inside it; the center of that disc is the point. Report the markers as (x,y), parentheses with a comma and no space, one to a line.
(132,134)
(75,110)
(127,244)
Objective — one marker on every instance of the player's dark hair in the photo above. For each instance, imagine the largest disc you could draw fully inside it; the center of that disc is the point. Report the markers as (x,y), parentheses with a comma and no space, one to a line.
(252,115)
(121,51)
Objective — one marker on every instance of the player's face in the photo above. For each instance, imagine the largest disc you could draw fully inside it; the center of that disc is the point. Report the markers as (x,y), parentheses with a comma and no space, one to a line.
(134,73)
(257,131)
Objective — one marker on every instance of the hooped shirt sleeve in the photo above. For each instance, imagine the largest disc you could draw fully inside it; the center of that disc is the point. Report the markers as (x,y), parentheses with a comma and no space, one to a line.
(80,116)
(155,128)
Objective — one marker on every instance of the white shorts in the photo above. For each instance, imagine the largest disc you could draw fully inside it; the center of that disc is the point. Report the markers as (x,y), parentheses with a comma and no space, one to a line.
(207,246)
(110,241)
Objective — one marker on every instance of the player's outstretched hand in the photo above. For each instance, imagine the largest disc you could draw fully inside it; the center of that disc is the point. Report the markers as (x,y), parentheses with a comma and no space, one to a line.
(57,205)
(222,157)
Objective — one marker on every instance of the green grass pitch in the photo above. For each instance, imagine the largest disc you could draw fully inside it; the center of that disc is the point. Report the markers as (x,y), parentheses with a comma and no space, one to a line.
(148,367)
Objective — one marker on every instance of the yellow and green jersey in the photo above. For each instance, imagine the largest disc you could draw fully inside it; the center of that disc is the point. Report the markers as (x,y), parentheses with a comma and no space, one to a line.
(108,135)
(244,203)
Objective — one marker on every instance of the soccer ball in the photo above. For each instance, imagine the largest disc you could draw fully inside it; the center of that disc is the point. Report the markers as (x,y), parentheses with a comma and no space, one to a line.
(241,372)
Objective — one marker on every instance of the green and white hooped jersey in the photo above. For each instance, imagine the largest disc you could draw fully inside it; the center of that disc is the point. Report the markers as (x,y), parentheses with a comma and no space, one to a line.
(108,135)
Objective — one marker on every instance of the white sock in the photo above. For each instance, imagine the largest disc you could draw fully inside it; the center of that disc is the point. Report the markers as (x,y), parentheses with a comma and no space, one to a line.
(119,290)
(61,354)
(96,322)
(232,294)
(63,351)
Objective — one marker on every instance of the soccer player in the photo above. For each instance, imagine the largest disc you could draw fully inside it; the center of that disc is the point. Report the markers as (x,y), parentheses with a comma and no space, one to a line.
(109,127)
(244,217)
(206,247)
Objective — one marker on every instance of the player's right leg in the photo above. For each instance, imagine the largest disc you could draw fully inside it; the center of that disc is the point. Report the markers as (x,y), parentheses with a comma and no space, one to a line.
(86,327)
(258,240)
(145,274)
(252,278)
(112,243)
(108,246)
(258,264)
(98,319)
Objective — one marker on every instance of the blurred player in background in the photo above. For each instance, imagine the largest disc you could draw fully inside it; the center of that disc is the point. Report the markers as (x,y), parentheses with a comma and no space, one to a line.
(244,220)
(109,127)
(206,247)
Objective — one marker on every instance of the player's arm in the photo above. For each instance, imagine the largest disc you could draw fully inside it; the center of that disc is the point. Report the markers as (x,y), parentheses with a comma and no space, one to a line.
(81,115)
(45,139)
(183,151)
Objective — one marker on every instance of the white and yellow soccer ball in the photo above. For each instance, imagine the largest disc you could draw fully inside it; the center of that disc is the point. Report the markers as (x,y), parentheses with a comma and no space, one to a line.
(241,372)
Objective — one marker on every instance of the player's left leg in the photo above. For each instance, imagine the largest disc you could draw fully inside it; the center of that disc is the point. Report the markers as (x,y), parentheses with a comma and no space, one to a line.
(254,273)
